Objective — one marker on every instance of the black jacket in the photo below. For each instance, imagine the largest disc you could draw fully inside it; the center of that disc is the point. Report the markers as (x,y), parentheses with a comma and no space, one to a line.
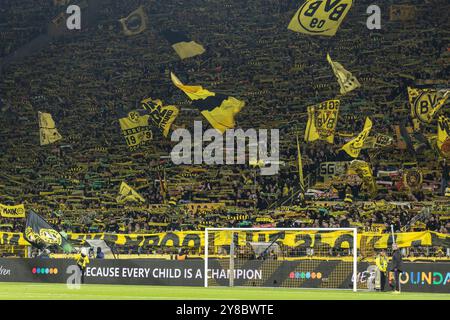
(397,262)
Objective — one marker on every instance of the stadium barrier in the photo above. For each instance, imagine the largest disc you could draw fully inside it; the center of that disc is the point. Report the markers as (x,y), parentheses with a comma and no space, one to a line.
(418,277)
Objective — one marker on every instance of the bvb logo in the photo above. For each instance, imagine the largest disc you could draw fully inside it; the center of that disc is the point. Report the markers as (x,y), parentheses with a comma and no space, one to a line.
(322,16)
(413,179)
(423,106)
(50,236)
(133,116)
(20,211)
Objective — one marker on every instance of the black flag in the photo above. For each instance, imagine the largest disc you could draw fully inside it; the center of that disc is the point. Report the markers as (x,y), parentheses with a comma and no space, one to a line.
(40,234)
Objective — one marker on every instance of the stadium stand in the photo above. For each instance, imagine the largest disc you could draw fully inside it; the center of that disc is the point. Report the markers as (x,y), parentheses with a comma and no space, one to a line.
(93,77)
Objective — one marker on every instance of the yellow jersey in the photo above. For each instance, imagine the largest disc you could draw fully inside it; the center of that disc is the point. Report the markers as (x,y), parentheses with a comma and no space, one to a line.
(382,263)
(82,261)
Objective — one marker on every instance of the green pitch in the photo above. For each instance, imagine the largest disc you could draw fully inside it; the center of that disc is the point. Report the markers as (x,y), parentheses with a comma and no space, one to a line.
(39,291)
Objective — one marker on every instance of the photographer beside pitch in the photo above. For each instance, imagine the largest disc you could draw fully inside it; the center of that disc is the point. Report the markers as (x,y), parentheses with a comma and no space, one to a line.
(82,261)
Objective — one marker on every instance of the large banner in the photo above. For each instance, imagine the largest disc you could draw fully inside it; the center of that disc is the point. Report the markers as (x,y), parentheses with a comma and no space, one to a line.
(300,239)
(417,277)
(17,211)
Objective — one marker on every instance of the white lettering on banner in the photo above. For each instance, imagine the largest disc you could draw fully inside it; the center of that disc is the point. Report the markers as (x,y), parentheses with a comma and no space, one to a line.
(238,274)
(135,272)
(166,273)
(103,272)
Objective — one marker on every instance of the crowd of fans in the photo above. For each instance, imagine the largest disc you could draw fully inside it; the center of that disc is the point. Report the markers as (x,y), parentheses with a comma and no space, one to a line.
(88,79)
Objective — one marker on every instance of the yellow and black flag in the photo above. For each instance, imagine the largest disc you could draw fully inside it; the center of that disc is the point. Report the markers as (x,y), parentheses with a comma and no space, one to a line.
(363,170)
(47,129)
(322,120)
(135,23)
(136,130)
(162,116)
(183,46)
(218,109)
(346,80)
(378,141)
(321,18)
(425,103)
(353,147)
(443,136)
(41,234)
(413,179)
(128,194)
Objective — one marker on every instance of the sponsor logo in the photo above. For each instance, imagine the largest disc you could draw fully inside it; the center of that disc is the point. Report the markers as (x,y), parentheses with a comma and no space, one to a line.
(44,271)
(305,275)
(423,278)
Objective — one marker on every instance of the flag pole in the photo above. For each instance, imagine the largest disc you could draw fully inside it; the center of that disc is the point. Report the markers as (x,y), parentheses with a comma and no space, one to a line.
(300,167)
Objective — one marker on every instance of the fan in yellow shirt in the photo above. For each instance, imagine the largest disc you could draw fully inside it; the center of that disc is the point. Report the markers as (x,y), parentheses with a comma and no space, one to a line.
(382,263)
(82,261)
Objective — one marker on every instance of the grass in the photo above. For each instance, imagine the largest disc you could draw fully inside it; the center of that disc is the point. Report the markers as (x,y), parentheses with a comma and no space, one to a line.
(45,291)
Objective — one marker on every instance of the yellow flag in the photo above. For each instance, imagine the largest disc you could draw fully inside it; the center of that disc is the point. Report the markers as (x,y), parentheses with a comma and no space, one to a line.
(425,103)
(322,120)
(363,170)
(193,92)
(47,129)
(320,17)
(220,110)
(162,116)
(136,130)
(182,44)
(353,147)
(128,194)
(443,137)
(346,80)
(12,211)
(135,23)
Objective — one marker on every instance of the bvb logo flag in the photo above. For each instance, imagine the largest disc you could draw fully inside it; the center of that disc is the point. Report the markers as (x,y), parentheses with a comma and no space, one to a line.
(47,130)
(135,23)
(162,117)
(136,130)
(12,211)
(218,109)
(322,120)
(320,17)
(443,137)
(425,103)
(353,147)
(128,194)
(346,80)
(39,233)
(363,170)
(413,179)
